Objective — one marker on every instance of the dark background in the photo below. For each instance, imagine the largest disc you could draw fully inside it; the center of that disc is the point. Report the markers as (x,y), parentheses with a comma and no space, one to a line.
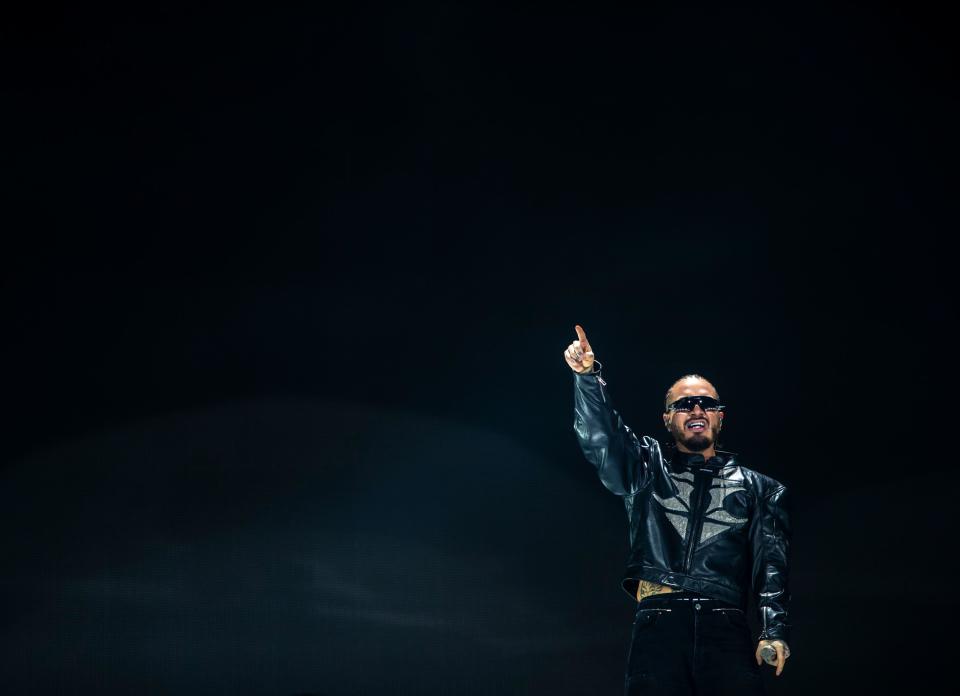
(284,301)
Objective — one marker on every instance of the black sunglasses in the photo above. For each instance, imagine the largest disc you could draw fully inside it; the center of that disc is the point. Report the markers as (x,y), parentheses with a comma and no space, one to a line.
(707,403)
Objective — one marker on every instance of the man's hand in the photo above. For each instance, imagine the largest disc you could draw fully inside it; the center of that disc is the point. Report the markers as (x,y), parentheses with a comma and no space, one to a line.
(783,652)
(579,355)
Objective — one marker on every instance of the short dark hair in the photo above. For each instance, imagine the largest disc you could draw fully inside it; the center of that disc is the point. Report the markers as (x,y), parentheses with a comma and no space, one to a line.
(666,397)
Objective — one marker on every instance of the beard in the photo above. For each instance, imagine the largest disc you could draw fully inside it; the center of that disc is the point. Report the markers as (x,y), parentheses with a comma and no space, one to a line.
(696,442)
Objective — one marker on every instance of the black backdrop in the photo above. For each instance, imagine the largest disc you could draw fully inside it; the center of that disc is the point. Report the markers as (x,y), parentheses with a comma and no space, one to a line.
(285,296)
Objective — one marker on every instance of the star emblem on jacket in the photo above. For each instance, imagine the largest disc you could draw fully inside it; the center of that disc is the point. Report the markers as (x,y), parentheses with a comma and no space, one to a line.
(716,519)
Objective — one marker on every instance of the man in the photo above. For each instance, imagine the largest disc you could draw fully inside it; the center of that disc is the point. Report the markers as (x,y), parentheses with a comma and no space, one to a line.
(704,531)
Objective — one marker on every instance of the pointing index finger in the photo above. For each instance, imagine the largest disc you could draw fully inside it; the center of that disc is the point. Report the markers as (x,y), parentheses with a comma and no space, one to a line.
(584,343)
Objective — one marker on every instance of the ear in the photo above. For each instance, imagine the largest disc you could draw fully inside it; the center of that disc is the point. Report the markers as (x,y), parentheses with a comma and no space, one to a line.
(666,420)
(720,422)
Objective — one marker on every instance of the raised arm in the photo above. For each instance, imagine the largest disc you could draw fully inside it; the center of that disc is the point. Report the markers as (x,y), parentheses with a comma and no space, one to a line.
(621,459)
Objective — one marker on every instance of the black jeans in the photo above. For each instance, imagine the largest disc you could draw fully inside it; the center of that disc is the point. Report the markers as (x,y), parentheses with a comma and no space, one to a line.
(686,644)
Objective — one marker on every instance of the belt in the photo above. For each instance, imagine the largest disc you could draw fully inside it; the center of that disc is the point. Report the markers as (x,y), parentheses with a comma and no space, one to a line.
(685,599)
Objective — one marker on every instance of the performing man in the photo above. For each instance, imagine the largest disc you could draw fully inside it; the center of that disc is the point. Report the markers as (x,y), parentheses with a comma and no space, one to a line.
(705,532)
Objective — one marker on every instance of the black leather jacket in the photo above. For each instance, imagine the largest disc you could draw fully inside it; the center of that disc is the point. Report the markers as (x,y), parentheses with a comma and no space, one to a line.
(713,527)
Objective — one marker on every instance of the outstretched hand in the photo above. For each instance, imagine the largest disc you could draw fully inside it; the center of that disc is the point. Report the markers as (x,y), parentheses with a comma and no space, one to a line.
(579,354)
(783,652)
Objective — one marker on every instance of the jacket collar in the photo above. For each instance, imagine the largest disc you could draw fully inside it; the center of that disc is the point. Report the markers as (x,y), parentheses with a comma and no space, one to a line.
(685,461)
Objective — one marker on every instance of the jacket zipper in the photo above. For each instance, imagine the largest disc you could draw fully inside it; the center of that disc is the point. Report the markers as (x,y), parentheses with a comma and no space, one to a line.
(696,517)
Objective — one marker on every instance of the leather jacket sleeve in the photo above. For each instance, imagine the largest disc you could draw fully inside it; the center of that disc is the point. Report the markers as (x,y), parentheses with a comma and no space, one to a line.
(622,460)
(770,540)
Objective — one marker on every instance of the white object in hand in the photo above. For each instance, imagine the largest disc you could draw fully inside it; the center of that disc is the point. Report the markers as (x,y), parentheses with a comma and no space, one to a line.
(769,654)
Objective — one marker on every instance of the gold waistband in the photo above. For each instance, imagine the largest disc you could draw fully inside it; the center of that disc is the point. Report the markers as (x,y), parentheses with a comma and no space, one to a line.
(648,589)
